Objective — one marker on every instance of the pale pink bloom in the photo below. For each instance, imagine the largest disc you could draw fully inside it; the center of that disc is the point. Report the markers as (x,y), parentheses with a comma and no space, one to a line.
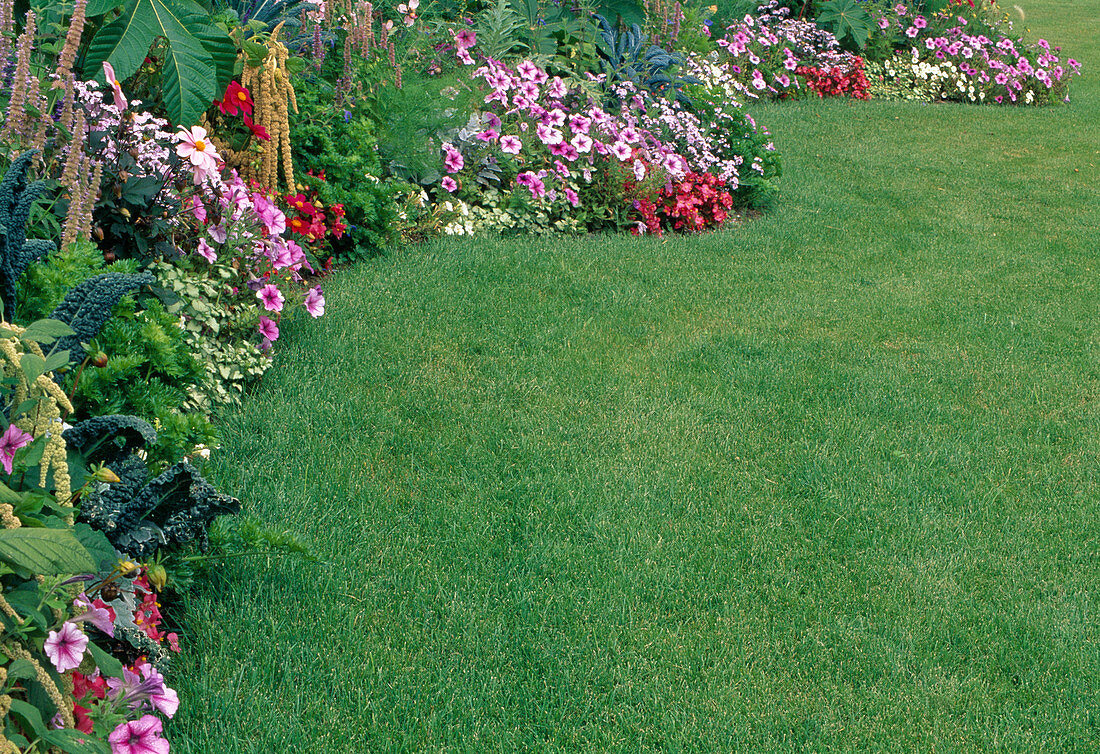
(621,150)
(101,616)
(464,57)
(139,737)
(198,209)
(556,117)
(548,135)
(527,70)
(195,148)
(65,648)
(639,170)
(116,87)
(510,144)
(271,297)
(12,440)
(315,302)
(582,143)
(206,251)
(579,124)
(218,232)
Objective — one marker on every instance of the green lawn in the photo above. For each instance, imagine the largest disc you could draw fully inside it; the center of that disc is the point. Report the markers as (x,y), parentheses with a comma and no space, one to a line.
(827,481)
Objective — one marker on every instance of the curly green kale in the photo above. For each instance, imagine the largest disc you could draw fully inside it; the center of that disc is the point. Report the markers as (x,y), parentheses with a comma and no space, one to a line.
(17,198)
(109,439)
(88,306)
(140,517)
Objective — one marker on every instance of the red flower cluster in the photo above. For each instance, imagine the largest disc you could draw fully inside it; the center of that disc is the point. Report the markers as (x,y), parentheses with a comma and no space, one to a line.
(306,216)
(237,99)
(836,82)
(147,616)
(86,689)
(696,202)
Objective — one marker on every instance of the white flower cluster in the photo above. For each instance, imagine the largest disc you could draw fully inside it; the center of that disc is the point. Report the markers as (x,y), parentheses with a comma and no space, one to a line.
(461,223)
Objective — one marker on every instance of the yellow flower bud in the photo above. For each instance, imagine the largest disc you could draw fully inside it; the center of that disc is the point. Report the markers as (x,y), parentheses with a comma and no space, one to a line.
(157,576)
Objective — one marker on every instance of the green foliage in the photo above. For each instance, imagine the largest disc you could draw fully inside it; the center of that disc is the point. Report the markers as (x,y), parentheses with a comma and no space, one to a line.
(44,551)
(87,307)
(140,516)
(198,56)
(45,283)
(216,330)
(17,197)
(152,373)
(339,148)
(848,20)
(629,57)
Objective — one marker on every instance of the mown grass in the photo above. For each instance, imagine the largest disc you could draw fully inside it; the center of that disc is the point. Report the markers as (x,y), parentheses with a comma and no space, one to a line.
(827,481)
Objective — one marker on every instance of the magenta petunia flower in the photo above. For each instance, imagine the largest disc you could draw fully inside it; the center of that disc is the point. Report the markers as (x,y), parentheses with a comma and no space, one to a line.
(572,197)
(271,297)
(139,737)
(268,329)
(510,144)
(449,184)
(453,159)
(65,648)
(315,302)
(465,39)
(12,440)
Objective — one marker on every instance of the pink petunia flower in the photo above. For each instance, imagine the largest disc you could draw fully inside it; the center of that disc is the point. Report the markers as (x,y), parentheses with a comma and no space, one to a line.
(65,648)
(465,39)
(315,302)
(206,251)
(139,737)
(449,184)
(198,209)
(510,144)
(97,612)
(557,88)
(621,150)
(572,197)
(271,297)
(639,170)
(452,160)
(268,329)
(116,87)
(12,440)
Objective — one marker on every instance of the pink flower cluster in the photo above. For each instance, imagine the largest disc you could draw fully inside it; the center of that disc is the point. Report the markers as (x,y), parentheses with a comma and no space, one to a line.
(559,133)
(1003,69)
(241,224)
(766,52)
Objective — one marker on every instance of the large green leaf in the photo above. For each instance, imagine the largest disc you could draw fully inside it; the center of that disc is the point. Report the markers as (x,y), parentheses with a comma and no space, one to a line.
(847,20)
(198,58)
(45,551)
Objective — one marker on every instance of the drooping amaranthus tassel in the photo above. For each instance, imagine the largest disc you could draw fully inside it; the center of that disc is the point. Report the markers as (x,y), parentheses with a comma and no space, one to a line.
(16,122)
